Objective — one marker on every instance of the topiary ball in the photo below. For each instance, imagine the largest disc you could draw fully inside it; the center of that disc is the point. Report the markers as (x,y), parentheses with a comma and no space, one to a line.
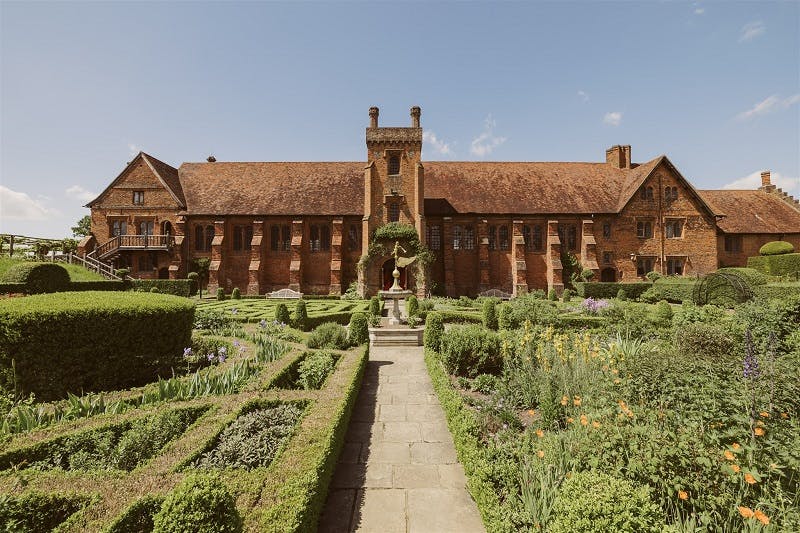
(236,294)
(282,314)
(776,248)
(202,504)
(358,332)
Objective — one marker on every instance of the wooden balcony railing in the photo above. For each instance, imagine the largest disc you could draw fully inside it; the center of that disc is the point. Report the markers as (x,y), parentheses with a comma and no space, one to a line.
(134,242)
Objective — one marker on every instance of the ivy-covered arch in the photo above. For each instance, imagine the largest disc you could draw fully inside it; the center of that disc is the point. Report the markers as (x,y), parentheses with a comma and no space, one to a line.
(381,244)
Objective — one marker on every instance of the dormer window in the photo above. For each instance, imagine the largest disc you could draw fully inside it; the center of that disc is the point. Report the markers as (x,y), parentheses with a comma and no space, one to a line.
(394,164)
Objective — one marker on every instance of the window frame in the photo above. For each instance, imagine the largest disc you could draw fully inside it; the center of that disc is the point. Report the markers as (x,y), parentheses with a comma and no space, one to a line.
(393,212)
(433,236)
(732,244)
(503,238)
(393,163)
(606,230)
(676,266)
(457,241)
(492,237)
(644,264)
(138,198)
(644,229)
(670,227)
(469,237)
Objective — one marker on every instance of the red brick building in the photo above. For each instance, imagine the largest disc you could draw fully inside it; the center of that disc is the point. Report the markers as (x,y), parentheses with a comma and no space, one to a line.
(489,225)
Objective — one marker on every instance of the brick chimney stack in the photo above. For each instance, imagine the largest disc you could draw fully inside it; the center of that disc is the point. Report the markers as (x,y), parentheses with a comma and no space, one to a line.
(373,117)
(765,180)
(415,113)
(619,156)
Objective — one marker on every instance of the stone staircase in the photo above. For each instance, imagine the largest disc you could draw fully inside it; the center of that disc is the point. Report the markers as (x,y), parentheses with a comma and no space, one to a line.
(396,336)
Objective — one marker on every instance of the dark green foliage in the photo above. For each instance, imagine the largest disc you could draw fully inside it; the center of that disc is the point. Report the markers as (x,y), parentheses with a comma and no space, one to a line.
(434,330)
(751,276)
(490,314)
(83,227)
(533,309)
(154,290)
(36,512)
(282,314)
(674,289)
(653,276)
(504,320)
(412,306)
(299,318)
(122,272)
(74,342)
(484,383)
(713,340)
(663,313)
(776,265)
(549,406)
(201,504)
(358,332)
(774,291)
(622,295)
(567,295)
(138,517)
(776,248)
(459,317)
(253,439)
(38,277)
(176,287)
(314,369)
(236,294)
(98,285)
(771,322)
(607,289)
(194,282)
(592,501)
(465,301)
(471,350)
(212,319)
(375,305)
(328,335)
(12,288)
(119,446)
(552,296)
(587,274)
(220,294)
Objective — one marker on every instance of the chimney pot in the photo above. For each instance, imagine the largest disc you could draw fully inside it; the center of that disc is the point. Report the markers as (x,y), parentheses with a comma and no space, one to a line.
(765,179)
(211,159)
(373,117)
(415,113)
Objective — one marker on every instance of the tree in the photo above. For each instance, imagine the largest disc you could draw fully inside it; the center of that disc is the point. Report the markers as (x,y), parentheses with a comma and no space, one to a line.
(83,228)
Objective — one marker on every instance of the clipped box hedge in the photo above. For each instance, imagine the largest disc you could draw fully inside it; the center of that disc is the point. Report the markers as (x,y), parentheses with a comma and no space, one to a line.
(38,277)
(607,289)
(96,285)
(776,265)
(12,288)
(176,287)
(90,341)
(777,290)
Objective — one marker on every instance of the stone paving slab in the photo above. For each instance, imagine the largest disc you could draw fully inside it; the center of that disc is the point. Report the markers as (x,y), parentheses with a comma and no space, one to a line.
(398,470)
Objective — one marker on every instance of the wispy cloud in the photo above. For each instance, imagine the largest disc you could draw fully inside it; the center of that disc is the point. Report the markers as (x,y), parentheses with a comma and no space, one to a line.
(753,181)
(485,143)
(699,10)
(769,105)
(19,206)
(438,145)
(584,96)
(613,118)
(751,30)
(79,193)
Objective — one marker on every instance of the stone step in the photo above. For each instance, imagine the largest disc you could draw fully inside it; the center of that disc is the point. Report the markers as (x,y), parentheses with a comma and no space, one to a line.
(402,336)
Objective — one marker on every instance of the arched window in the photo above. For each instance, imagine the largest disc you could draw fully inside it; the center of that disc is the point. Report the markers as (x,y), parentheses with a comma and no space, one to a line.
(457,237)
(674,193)
(503,233)
(394,212)
(394,164)
(209,237)
(199,242)
(119,227)
(469,238)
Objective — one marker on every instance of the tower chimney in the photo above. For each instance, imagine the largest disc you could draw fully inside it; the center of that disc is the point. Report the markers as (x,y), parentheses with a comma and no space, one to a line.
(619,156)
(765,180)
(211,159)
(415,113)
(373,117)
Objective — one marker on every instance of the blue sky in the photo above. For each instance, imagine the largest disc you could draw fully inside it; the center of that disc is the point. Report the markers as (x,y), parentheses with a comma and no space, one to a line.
(714,85)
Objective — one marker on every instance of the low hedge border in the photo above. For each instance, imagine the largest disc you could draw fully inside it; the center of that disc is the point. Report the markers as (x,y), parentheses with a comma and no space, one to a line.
(471,454)
(175,287)
(98,285)
(776,265)
(777,290)
(607,289)
(455,317)
(13,288)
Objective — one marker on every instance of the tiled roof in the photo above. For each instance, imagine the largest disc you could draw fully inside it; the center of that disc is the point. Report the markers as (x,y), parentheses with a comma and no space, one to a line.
(168,174)
(752,212)
(273,188)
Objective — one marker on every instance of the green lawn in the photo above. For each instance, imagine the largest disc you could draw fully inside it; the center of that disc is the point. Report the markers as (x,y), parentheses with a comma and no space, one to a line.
(76,272)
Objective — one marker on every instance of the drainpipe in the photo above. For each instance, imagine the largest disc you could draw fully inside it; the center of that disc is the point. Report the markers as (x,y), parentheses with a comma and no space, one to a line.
(661,231)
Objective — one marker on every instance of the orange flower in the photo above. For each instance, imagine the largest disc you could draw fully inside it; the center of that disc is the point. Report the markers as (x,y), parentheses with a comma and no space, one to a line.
(576,401)
(564,400)
(614,371)
(584,420)
(735,468)
(540,453)
(761,517)
(764,414)
(616,381)
(759,431)
(746,512)
(729,455)
(570,420)
(539,433)
(683,495)
(735,446)
(748,477)
(595,424)
(784,415)
(531,412)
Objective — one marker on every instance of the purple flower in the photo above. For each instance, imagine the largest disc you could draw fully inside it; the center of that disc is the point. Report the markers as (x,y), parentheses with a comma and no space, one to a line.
(234,311)
(750,363)
(263,323)
(221,358)
(222,351)
(236,343)
(593,306)
(187,352)
(210,357)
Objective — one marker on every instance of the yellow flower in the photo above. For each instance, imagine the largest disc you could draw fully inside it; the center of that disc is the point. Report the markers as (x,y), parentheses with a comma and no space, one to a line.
(540,453)
(761,517)
(564,400)
(539,433)
(746,512)
(735,468)
(683,495)
(748,477)
(764,414)
(735,446)
(729,455)
(759,432)
(773,466)
(595,424)
(576,401)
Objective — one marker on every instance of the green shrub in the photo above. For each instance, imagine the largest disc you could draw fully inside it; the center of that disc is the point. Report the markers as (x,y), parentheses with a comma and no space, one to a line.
(653,276)
(471,350)
(593,501)
(38,277)
(89,341)
(774,290)
(220,294)
(253,439)
(35,512)
(751,276)
(484,383)
(176,287)
(587,274)
(566,296)
(358,331)
(607,289)
(434,330)
(300,316)
(776,265)
(776,248)
(412,306)
(154,290)
(663,312)
(122,272)
(96,285)
(490,314)
(202,504)
(711,340)
(504,320)
(138,517)
(212,319)
(530,308)
(194,282)
(622,295)
(314,369)
(12,288)
(236,294)
(674,289)
(552,296)
(375,305)
(282,314)
(328,335)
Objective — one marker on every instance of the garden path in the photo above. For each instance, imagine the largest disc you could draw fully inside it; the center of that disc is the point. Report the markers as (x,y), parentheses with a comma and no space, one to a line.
(398,470)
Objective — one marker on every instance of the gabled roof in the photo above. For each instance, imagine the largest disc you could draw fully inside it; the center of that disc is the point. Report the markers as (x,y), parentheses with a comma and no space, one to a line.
(752,212)
(273,188)
(166,174)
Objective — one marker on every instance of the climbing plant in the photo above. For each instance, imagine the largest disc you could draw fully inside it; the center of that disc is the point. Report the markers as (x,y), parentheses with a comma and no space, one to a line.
(382,242)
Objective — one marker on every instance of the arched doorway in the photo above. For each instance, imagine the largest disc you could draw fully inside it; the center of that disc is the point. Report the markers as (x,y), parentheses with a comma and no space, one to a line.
(166,228)
(608,274)
(386,275)
(163,273)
